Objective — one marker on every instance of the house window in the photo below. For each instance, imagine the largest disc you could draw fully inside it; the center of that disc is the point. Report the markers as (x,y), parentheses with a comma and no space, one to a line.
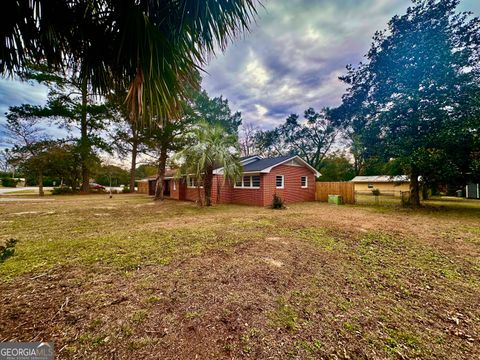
(279,181)
(248,182)
(370,186)
(192,182)
(304,181)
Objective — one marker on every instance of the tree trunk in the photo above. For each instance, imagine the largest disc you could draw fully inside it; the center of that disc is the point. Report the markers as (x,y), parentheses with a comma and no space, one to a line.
(162,163)
(207,187)
(84,142)
(40,184)
(425,192)
(414,190)
(133,167)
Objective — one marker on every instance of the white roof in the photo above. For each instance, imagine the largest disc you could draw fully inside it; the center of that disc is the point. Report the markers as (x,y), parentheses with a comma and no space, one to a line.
(381,179)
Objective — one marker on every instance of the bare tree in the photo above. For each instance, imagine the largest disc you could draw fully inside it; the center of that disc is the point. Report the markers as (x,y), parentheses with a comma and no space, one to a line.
(247,139)
(25,133)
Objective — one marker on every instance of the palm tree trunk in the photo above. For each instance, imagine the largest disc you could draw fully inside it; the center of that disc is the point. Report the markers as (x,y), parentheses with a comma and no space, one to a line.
(207,186)
(84,144)
(162,163)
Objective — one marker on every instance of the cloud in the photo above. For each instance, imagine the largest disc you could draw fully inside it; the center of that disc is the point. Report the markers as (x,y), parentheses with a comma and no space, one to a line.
(289,61)
(292,58)
(14,92)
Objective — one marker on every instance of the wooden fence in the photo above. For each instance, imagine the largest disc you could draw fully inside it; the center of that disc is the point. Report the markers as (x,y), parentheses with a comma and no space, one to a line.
(345,189)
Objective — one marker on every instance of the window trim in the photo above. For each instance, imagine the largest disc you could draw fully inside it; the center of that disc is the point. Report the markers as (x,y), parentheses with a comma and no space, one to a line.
(235,186)
(174,185)
(192,180)
(306,182)
(283,182)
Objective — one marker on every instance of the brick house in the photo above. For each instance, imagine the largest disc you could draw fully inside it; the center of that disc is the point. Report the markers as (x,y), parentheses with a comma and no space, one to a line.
(290,177)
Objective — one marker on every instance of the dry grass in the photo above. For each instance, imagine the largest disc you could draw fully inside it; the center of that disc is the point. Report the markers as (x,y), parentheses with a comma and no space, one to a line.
(129,278)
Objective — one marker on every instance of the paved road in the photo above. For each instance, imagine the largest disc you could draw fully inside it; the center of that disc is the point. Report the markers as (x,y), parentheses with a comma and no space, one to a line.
(6,190)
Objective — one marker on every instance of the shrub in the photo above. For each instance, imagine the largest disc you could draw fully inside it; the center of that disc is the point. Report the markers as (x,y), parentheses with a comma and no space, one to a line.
(376,192)
(277,202)
(9,182)
(126,190)
(62,190)
(7,250)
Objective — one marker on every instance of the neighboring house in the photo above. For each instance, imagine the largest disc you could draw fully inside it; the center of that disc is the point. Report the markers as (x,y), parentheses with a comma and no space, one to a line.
(290,177)
(147,185)
(388,185)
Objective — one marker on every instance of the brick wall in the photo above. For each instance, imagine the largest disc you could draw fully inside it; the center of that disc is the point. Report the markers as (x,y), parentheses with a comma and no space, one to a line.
(221,190)
(174,189)
(292,191)
(249,196)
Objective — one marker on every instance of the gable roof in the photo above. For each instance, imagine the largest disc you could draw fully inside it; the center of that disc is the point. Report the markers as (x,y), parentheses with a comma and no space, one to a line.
(263,164)
(381,179)
(257,164)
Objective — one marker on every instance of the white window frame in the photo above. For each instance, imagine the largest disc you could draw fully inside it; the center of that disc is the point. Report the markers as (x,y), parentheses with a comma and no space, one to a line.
(192,183)
(306,182)
(174,185)
(283,182)
(235,186)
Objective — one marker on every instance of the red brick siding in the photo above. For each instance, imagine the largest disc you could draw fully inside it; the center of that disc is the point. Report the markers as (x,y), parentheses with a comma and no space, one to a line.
(175,194)
(224,196)
(191,194)
(292,191)
(249,196)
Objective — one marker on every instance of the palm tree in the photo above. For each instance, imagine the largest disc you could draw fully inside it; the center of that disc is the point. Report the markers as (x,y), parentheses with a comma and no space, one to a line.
(211,147)
(154,45)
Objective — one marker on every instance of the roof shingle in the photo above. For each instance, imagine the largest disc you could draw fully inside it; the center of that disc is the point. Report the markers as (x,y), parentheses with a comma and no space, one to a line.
(262,164)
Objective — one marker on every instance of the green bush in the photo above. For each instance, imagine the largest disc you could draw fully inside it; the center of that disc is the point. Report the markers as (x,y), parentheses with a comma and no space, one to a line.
(126,190)
(7,250)
(376,192)
(9,182)
(277,202)
(62,190)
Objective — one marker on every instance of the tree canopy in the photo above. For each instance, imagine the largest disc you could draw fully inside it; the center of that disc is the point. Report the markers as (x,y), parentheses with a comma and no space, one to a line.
(417,98)
(311,139)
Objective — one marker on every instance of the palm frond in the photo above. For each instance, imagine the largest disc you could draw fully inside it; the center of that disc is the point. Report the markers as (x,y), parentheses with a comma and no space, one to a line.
(155,46)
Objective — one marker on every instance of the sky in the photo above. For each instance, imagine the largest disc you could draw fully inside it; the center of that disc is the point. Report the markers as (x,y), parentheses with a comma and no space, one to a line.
(290,59)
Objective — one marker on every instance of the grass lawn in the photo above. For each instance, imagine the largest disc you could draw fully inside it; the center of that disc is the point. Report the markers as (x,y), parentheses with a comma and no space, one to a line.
(130,278)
